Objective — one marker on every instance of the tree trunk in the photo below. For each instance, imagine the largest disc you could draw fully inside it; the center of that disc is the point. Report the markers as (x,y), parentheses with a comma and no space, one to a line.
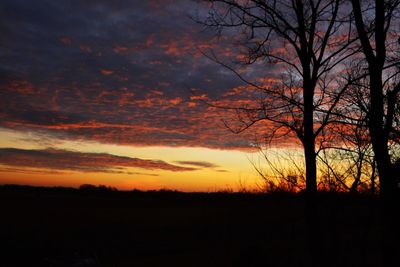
(376,127)
(376,113)
(309,139)
(311,166)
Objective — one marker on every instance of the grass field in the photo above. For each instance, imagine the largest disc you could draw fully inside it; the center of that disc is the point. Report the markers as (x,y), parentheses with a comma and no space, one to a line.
(70,227)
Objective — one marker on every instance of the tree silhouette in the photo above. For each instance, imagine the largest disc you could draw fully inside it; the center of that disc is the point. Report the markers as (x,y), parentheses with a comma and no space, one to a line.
(375,28)
(308,39)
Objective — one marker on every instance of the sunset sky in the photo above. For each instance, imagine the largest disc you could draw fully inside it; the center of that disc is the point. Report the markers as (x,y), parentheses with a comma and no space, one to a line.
(113,92)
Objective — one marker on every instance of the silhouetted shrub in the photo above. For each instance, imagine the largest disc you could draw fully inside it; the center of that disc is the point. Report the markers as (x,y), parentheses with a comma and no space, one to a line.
(99,188)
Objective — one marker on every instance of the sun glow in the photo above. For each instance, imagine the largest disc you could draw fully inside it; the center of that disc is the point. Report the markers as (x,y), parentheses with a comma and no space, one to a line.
(213,169)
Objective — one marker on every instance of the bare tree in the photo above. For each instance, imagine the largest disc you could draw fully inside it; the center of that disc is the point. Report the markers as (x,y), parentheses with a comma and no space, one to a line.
(280,172)
(309,40)
(374,21)
(348,163)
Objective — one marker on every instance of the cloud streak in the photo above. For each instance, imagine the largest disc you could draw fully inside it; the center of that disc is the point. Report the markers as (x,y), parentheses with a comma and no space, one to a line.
(201,164)
(65,160)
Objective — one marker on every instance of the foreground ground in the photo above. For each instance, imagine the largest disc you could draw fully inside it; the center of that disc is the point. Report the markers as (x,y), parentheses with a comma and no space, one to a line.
(67,227)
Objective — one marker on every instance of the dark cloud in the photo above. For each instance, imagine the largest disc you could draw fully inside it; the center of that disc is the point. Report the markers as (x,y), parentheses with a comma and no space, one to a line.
(30,171)
(124,72)
(64,160)
(201,164)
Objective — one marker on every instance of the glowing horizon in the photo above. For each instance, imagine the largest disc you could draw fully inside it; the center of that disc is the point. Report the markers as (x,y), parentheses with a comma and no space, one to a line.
(224,169)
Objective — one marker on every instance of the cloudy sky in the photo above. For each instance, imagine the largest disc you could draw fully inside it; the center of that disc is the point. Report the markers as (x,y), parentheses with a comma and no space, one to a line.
(114,92)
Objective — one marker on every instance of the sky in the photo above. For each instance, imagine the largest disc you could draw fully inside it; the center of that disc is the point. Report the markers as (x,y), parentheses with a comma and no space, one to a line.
(117,93)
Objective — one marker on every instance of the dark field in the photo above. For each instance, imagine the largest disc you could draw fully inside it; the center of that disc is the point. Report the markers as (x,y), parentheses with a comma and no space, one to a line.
(69,227)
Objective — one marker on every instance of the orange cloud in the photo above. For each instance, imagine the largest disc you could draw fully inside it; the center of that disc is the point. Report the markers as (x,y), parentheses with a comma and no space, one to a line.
(106,72)
(120,49)
(85,48)
(66,40)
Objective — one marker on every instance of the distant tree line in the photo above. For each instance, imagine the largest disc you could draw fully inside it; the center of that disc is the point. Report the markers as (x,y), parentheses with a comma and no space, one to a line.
(97,188)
